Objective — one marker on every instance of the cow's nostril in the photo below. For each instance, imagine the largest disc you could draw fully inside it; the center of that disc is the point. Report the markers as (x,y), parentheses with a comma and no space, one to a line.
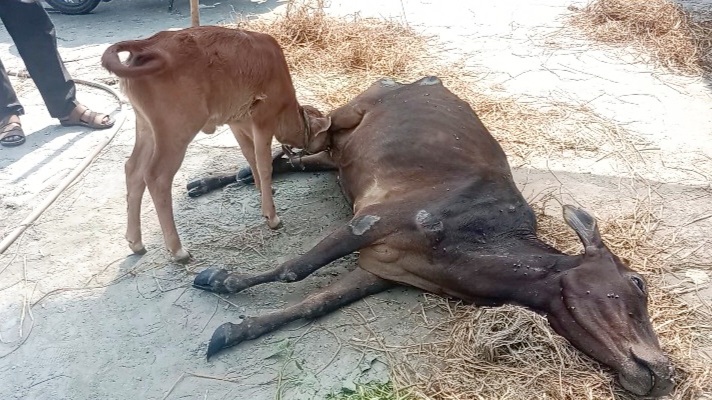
(660,370)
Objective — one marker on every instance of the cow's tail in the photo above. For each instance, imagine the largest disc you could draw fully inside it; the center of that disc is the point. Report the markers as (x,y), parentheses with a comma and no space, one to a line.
(142,62)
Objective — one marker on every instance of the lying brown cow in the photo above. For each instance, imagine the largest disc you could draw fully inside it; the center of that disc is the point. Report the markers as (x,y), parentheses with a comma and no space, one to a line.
(435,207)
(182,82)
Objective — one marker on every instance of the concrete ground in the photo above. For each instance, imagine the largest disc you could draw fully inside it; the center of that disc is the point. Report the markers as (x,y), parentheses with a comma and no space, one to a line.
(109,325)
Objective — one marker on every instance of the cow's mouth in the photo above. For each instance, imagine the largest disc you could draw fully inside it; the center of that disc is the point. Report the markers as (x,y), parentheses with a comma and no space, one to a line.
(636,373)
(641,378)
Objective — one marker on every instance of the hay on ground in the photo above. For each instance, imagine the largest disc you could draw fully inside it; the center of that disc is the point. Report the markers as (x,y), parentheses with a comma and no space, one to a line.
(335,59)
(340,57)
(673,36)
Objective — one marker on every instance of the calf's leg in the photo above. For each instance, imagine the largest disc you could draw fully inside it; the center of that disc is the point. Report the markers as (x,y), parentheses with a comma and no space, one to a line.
(352,287)
(263,174)
(135,183)
(171,143)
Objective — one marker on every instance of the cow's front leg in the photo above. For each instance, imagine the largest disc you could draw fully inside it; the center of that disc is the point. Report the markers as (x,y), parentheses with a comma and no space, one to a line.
(361,231)
(338,244)
(352,287)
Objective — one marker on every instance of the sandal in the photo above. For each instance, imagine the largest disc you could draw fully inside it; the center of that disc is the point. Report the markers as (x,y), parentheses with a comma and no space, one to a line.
(82,116)
(11,133)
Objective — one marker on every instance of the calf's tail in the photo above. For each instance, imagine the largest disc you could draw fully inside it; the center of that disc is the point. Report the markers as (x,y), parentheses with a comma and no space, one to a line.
(143,61)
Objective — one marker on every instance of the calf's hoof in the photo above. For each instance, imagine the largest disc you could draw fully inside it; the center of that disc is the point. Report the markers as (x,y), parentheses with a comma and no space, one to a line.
(182,256)
(137,248)
(212,280)
(228,335)
(274,223)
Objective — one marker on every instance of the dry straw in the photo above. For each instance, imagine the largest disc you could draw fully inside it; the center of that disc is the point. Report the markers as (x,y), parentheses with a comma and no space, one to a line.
(335,59)
(483,353)
(673,36)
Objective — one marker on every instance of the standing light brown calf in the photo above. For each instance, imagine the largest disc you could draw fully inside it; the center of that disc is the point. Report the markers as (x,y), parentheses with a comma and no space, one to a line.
(182,82)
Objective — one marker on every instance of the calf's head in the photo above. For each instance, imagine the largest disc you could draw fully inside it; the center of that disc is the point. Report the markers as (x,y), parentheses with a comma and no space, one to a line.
(316,138)
(602,310)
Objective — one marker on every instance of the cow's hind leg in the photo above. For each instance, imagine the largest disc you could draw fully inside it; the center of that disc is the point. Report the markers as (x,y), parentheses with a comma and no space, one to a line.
(205,185)
(244,176)
(363,230)
(352,287)
(313,163)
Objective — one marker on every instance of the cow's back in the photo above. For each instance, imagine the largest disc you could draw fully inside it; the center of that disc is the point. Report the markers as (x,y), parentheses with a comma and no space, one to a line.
(415,136)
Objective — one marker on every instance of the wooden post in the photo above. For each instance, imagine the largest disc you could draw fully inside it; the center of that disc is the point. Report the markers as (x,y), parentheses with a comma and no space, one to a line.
(194,13)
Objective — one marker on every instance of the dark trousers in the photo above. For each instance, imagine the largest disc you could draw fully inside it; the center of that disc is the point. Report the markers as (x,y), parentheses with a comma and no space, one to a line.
(33,33)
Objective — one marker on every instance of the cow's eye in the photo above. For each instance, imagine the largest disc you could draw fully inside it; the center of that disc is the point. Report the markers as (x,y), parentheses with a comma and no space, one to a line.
(638,281)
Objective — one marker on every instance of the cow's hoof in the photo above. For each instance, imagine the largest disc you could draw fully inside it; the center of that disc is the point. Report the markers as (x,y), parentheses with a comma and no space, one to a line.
(182,256)
(137,248)
(212,280)
(227,335)
(245,175)
(205,185)
(198,187)
(274,223)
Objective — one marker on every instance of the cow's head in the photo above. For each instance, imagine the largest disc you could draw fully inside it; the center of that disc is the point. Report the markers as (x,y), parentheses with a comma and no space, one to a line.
(602,310)
(316,138)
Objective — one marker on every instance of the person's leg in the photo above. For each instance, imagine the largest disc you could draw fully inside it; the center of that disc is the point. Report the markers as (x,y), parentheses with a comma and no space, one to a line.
(11,133)
(33,32)
(9,104)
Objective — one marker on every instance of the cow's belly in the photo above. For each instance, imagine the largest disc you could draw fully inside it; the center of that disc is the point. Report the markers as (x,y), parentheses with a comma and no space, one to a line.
(407,268)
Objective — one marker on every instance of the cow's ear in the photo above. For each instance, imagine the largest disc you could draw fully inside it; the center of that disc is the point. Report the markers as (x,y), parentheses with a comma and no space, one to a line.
(347,117)
(585,227)
(319,125)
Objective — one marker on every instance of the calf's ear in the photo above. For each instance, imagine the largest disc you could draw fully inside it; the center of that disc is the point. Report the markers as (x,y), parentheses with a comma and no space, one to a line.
(585,227)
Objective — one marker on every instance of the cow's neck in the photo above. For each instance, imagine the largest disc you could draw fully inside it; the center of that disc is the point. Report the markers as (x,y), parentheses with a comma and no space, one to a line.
(522,271)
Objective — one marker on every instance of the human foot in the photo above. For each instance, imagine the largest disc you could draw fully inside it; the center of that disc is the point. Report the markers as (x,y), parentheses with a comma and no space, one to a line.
(11,133)
(82,116)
